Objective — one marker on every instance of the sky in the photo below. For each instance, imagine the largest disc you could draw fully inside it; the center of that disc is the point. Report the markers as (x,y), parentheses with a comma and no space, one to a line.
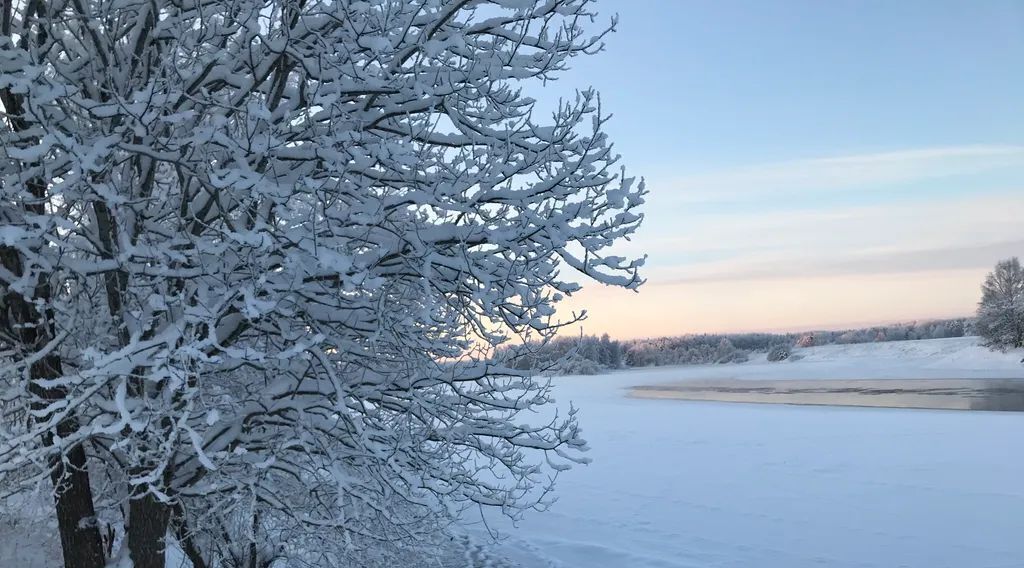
(810,164)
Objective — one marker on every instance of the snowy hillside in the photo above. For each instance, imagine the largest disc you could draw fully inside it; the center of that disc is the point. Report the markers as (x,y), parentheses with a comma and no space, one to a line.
(959,353)
(957,358)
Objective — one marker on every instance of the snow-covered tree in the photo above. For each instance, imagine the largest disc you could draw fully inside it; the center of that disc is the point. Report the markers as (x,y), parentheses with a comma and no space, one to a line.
(255,255)
(1001,310)
(725,352)
(611,352)
(808,340)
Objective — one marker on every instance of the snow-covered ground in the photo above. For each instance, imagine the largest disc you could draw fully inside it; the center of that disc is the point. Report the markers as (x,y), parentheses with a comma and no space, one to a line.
(956,358)
(27,534)
(679,484)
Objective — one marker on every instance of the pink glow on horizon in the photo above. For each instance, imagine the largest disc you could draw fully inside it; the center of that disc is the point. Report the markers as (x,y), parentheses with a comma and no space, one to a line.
(777,304)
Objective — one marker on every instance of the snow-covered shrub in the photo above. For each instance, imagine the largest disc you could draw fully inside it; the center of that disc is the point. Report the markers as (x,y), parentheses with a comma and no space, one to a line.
(740,356)
(576,364)
(726,352)
(779,352)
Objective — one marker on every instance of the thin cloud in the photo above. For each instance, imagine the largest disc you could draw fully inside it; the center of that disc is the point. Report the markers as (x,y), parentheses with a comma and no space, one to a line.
(949,221)
(845,172)
(928,260)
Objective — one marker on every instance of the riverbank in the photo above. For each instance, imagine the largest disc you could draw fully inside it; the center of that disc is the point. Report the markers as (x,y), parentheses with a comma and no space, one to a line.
(947,394)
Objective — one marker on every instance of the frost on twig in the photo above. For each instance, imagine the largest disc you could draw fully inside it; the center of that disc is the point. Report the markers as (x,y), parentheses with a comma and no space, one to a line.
(279,240)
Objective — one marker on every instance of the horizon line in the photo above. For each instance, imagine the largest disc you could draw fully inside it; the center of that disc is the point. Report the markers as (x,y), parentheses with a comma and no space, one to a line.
(853,326)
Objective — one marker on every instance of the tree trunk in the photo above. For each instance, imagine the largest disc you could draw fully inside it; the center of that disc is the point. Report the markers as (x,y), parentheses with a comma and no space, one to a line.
(22,318)
(80,538)
(148,520)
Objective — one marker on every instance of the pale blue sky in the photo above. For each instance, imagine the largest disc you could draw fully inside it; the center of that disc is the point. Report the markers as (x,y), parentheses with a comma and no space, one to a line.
(847,148)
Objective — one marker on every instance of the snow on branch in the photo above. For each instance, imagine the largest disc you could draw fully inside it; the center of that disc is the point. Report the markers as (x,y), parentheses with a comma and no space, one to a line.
(263,248)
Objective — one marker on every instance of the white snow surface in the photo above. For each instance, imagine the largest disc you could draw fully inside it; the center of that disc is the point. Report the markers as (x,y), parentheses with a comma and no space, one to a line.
(677,484)
(955,358)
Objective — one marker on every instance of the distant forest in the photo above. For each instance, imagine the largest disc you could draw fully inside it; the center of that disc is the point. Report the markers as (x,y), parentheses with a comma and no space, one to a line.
(592,354)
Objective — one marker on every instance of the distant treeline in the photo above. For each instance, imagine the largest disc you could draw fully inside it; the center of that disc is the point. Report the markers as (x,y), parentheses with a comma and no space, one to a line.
(592,354)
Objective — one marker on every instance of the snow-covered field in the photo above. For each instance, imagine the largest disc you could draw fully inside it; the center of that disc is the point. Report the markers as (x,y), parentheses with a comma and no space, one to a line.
(691,484)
